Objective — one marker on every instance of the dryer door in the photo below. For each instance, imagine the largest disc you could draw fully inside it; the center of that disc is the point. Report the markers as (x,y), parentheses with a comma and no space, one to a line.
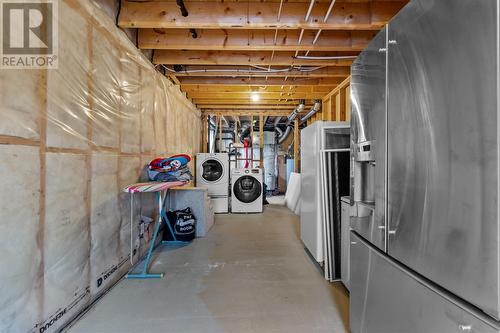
(212,170)
(247,189)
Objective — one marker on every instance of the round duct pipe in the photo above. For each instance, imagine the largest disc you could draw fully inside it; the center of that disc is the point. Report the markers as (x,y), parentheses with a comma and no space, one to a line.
(316,107)
(289,122)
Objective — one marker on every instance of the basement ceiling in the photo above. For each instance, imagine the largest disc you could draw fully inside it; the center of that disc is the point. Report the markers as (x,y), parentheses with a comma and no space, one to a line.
(256,57)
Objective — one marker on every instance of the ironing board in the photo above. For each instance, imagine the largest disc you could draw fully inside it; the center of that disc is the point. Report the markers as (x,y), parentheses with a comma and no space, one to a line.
(160,190)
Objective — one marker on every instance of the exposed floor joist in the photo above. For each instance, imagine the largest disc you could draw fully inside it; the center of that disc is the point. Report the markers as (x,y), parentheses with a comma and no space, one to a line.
(247,107)
(262,96)
(255,40)
(256,88)
(234,15)
(261,58)
(232,55)
(247,71)
(244,113)
(262,81)
(220,101)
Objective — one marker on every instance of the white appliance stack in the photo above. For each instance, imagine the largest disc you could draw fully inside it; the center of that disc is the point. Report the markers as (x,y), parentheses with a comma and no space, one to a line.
(247,190)
(325,159)
(212,172)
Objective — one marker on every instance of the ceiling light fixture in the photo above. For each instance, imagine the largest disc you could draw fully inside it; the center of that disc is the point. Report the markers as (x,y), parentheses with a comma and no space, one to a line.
(255,97)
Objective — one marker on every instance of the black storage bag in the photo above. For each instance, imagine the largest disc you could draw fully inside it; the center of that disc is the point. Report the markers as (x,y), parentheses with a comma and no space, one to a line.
(183,224)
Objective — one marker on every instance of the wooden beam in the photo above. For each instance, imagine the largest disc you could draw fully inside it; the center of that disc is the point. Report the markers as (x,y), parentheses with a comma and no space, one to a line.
(348,103)
(342,85)
(341,101)
(251,138)
(262,96)
(188,88)
(296,143)
(245,107)
(261,141)
(174,79)
(204,134)
(245,101)
(245,71)
(261,58)
(243,113)
(215,15)
(220,132)
(252,2)
(254,40)
(262,81)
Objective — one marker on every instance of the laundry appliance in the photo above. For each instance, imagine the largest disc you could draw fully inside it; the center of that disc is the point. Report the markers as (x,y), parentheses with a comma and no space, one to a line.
(212,172)
(247,190)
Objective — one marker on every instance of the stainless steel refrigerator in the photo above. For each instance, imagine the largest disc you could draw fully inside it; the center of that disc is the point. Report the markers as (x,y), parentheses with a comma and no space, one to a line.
(425,140)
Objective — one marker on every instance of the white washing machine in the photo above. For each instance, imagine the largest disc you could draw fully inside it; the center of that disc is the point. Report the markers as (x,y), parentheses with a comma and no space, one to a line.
(247,190)
(212,172)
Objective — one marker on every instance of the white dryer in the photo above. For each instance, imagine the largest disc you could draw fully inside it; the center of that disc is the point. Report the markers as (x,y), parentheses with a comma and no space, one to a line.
(247,190)
(212,172)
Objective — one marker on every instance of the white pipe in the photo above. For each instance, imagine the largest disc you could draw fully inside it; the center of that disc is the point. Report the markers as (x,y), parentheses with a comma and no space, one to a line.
(325,58)
(329,10)
(327,15)
(300,36)
(309,10)
(279,11)
(237,70)
(317,36)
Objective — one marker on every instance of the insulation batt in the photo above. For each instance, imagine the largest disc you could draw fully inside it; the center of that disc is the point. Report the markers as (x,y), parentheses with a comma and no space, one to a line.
(71,139)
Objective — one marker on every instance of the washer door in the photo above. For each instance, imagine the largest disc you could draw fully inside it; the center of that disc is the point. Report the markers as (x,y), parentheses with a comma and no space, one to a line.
(247,189)
(212,170)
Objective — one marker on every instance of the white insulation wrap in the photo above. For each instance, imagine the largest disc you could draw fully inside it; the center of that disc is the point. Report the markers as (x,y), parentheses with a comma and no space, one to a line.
(70,139)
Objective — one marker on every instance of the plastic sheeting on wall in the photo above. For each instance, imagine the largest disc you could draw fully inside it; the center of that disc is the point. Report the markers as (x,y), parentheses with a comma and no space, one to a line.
(70,139)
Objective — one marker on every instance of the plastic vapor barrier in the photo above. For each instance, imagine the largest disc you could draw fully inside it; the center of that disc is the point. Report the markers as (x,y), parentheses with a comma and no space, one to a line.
(70,139)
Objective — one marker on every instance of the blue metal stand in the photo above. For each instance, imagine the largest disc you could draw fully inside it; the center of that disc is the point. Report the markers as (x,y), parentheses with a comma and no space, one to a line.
(162,215)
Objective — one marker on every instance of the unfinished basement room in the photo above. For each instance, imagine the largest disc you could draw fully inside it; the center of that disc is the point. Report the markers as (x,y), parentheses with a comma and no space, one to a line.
(250,166)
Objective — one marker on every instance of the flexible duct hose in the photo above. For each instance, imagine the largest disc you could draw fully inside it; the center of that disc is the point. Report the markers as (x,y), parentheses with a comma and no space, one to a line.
(289,121)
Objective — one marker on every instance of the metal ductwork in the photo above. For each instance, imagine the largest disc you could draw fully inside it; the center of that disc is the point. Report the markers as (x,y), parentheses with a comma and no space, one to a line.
(316,107)
(289,122)
(244,132)
(295,112)
(285,135)
(277,121)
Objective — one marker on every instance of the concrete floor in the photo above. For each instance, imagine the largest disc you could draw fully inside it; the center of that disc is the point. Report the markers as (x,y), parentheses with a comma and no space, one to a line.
(250,274)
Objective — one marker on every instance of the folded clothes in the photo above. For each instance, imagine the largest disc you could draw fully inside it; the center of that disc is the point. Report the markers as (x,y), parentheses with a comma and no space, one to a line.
(181,174)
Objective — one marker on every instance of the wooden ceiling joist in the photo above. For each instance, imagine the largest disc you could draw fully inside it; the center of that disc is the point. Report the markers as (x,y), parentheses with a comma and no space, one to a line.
(228,71)
(247,107)
(241,15)
(262,96)
(220,101)
(262,81)
(261,58)
(254,40)
(243,113)
(255,88)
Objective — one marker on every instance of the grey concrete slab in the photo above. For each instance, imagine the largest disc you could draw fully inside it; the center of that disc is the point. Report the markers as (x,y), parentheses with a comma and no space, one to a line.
(250,274)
